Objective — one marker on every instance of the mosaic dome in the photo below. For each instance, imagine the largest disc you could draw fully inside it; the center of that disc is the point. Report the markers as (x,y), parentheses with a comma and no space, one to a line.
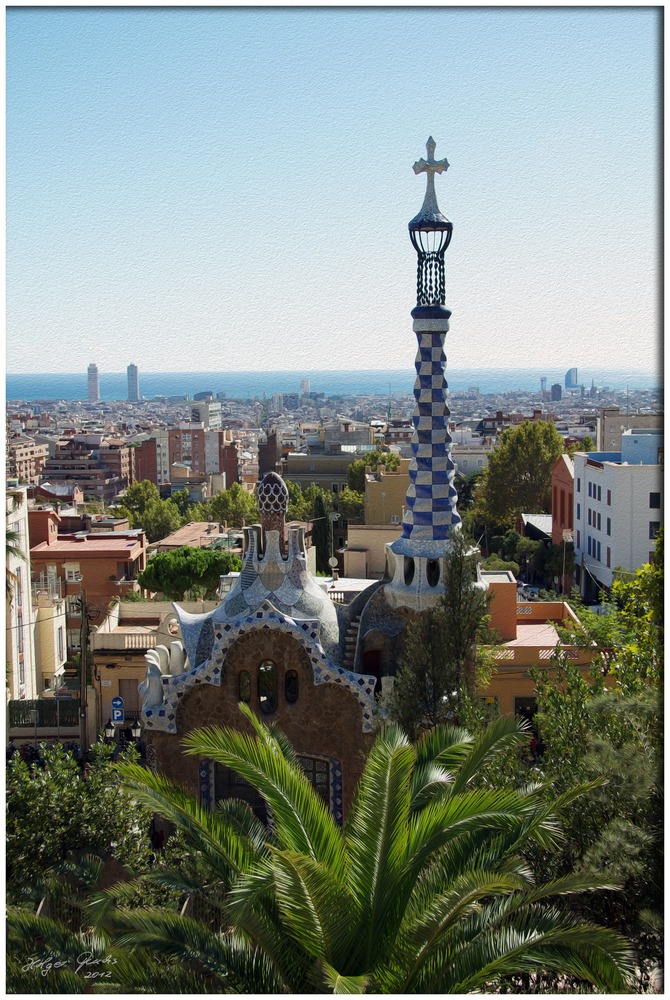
(272,494)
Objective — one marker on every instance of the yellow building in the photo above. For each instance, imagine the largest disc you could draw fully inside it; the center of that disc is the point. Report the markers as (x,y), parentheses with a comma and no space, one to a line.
(364,557)
(118,647)
(385,494)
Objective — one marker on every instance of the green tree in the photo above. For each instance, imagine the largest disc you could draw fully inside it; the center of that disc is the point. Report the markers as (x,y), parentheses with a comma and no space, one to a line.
(356,471)
(467,486)
(351,505)
(313,492)
(298,507)
(181,500)
(551,560)
(321,535)
(423,890)
(187,570)
(138,497)
(518,475)
(54,813)
(495,562)
(606,728)
(160,519)
(438,663)
(586,444)
(235,505)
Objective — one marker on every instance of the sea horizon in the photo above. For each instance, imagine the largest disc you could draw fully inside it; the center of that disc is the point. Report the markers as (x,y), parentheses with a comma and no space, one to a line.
(72,386)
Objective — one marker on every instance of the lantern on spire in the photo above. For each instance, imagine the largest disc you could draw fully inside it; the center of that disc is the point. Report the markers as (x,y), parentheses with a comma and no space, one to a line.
(430,232)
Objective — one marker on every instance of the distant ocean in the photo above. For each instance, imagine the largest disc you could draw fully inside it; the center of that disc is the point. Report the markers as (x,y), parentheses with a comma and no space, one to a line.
(250,385)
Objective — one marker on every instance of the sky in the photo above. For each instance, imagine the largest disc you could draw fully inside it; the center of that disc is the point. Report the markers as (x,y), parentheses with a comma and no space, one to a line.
(220,188)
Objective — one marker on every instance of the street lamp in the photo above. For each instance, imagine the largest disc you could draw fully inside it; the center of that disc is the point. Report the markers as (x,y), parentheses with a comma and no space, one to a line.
(136,729)
(109,730)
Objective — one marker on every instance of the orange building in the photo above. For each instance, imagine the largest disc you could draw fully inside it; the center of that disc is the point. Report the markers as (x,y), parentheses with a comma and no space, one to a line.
(103,566)
(530,639)
(562,498)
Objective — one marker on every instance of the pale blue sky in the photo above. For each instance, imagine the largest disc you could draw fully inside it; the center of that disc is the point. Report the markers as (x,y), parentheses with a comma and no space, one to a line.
(229,188)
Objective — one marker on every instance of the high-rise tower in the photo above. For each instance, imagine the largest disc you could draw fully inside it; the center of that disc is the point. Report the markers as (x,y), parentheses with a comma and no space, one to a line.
(93,384)
(415,559)
(133,384)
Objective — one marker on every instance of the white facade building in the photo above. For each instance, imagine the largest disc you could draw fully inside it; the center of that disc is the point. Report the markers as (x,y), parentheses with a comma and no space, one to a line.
(209,414)
(20,641)
(133,384)
(618,508)
(93,384)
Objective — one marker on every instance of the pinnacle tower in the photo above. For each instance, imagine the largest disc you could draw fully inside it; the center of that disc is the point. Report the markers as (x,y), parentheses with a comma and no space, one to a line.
(431,497)
(430,514)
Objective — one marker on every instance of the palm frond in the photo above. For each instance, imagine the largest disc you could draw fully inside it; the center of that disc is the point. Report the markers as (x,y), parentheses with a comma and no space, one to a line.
(539,939)
(318,907)
(238,966)
(221,845)
(343,984)
(500,736)
(301,820)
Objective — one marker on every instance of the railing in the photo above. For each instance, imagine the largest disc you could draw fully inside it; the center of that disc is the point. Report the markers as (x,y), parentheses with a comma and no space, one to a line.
(555,611)
(51,712)
(51,586)
(529,656)
(148,640)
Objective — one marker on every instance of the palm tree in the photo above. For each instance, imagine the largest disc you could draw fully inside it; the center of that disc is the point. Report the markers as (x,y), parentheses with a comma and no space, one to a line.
(424,889)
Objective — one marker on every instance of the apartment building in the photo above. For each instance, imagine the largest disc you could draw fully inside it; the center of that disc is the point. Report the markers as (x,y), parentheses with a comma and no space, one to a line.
(327,471)
(19,634)
(618,508)
(26,458)
(612,423)
(101,467)
(100,566)
(50,619)
(385,493)
(203,451)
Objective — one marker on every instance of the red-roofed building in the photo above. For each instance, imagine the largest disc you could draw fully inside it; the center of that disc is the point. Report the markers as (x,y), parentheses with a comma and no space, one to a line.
(105,566)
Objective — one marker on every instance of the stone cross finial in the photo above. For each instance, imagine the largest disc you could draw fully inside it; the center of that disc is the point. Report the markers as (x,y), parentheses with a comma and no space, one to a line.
(430,167)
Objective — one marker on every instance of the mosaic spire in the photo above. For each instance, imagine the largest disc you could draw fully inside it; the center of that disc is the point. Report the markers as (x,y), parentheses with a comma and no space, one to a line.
(431,496)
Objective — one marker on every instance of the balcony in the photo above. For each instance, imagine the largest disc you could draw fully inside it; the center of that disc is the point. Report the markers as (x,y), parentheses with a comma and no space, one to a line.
(49,587)
(51,713)
(123,641)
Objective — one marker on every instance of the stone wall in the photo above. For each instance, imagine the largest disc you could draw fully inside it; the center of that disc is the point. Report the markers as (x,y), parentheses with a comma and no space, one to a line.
(325,719)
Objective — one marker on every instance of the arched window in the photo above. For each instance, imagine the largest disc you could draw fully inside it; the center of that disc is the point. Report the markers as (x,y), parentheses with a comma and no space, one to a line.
(433,572)
(291,686)
(267,686)
(245,686)
(409,570)
(317,770)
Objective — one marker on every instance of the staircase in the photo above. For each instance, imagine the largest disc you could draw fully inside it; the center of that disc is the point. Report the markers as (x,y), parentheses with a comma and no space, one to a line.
(350,640)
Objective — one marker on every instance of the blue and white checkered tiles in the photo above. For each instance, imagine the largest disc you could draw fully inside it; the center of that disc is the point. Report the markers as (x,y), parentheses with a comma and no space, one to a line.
(431,496)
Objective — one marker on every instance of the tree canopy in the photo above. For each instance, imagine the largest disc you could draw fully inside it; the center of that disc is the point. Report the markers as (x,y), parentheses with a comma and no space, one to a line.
(187,570)
(55,813)
(235,505)
(518,475)
(356,471)
(423,890)
(321,535)
(437,663)
(160,519)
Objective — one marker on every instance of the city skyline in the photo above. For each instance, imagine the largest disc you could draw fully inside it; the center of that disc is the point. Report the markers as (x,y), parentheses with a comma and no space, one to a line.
(236,184)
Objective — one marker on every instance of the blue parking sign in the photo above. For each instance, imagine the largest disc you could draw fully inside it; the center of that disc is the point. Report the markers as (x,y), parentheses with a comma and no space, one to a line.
(118,715)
